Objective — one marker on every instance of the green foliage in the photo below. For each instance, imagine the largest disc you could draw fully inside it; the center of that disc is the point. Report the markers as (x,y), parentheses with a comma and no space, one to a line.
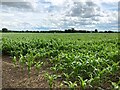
(22,61)
(82,82)
(71,85)
(82,60)
(50,79)
(38,65)
(116,86)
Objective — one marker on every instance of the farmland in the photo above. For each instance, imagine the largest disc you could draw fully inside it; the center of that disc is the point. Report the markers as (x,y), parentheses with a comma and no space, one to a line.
(84,61)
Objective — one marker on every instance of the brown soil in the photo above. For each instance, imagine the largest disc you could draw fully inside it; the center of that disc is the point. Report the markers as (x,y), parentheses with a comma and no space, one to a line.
(16,77)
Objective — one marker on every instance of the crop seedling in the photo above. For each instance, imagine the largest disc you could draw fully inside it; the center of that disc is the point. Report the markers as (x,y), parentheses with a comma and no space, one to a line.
(116,85)
(29,62)
(82,82)
(50,79)
(71,85)
(38,65)
(22,61)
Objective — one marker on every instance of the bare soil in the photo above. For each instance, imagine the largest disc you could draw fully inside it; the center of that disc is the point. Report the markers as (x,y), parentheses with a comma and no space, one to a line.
(16,77)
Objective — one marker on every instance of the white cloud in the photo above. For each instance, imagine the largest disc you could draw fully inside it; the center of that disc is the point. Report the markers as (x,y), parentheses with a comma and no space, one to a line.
(57,14)
(21,4)
(56,2)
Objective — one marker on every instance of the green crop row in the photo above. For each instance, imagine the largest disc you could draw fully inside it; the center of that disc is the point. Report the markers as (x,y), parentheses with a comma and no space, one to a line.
(76,60)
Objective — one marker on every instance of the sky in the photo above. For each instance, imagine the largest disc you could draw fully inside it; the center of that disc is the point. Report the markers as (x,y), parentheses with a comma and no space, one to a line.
(59,14)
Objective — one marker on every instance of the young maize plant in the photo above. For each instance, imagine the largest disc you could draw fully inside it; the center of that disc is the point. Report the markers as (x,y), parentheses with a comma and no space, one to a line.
(38,65)
(29,62)
(71,85)
(50,79)
(22,61)
(82,82)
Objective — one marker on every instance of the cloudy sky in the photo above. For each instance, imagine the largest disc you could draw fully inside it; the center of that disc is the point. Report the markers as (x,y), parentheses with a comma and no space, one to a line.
(59,14)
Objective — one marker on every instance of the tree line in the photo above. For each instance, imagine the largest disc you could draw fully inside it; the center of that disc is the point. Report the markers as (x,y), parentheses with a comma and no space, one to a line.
(72,30)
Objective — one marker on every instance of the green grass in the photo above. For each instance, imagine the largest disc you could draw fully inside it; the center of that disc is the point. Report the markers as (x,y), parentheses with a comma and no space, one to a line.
(78,60)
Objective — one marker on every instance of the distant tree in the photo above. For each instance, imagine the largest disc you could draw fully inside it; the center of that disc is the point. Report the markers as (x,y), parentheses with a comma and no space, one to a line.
(66,31)
(96,30)
(110,32)
(26,31)
(72,29)
(4,29)
(105,31)
(101,32)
